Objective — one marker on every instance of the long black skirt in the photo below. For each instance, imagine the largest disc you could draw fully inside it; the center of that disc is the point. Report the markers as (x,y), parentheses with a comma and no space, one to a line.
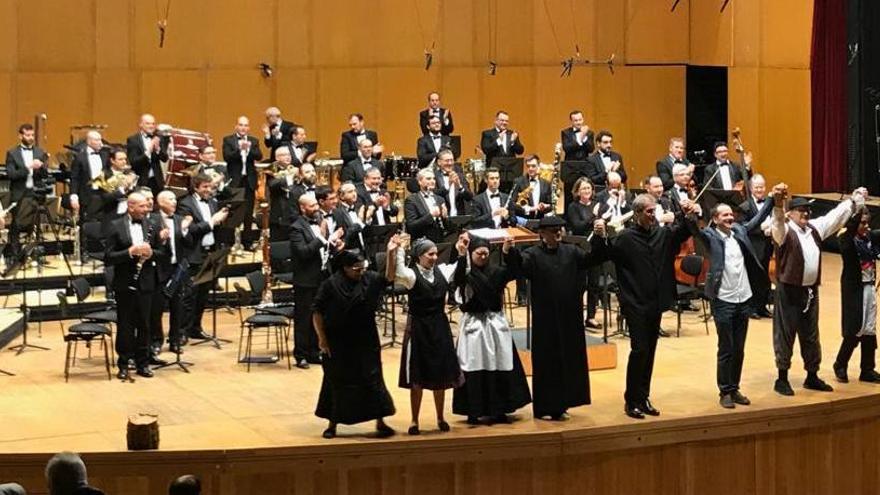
(492,393)
(353,389)
(428,359)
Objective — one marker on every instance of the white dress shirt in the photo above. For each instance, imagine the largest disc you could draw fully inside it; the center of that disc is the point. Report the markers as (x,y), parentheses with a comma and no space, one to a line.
(137,231)
(724,174)
(205,211)
(494,204)
(735,287)
(380,212)
(27,155)
(148,150)
(169,224)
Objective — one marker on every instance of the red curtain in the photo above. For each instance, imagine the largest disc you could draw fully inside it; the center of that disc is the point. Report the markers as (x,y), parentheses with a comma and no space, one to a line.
(828,61)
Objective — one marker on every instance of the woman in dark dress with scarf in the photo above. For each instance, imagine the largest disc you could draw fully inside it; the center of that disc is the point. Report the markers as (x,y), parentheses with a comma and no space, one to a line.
(353,389)
(428,360)
(581,213)
(495,384)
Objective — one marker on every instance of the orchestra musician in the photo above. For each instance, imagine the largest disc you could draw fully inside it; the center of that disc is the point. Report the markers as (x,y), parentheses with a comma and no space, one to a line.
(539,196)
(451,184)
(373,192)
(492,208)
(580,216)
(500,141)
(207,216)
(240,152)
(353,170)
(425,212)
(428,145)
(114,200)
(350,140)
(174,280)
(26,166)
(577,143)
(605,160)
(146,151)
(675,157)
(300,153)
(761,242)
(444,116)
(277,131)
(280,187)
(88,165)
(132,246)
(350,214)
(306,185)
(664,211)
(728,174)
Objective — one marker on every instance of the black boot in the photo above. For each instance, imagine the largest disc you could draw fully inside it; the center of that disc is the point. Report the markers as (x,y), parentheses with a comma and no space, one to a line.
(869,348)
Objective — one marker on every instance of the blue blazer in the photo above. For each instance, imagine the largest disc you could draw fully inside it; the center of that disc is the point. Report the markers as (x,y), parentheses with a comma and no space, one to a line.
(714,244)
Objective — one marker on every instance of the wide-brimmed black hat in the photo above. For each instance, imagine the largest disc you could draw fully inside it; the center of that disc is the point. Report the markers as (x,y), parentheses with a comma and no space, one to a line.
(550,222)
(799,202)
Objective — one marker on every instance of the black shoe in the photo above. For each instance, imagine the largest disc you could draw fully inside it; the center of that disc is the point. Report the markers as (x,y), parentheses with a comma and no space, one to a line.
(755,316)
(840,374)
(663,333)
(314,360)
(122,374)
(414,430)
(156,361)
(385,431)
(473,420)
(145,372)
(175,348)
(559,417)
(443,425)
(200,335)
(500,419)
(633,411)
(329,433)
(782,387)
(727,402)
(592,323)
(816,383)
(869,376)
(649,408)
(740,398)
(302,364)
(763,313)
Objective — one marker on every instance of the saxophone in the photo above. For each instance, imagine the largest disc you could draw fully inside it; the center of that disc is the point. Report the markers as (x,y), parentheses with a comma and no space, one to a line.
(554,183)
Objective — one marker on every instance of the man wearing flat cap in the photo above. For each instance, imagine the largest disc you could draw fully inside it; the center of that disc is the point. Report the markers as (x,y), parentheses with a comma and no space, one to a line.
(798,239)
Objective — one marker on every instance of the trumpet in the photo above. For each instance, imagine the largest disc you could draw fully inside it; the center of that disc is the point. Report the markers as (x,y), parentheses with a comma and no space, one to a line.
(125,179)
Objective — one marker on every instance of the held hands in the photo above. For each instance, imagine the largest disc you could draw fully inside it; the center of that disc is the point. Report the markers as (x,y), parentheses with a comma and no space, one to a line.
(513,136)
(599,227)
(154,143)
(383,200)
(667,217)
(265,129)
(36,164)
(615,166)
(165,234)
(443,212)
(780,193)
(336,236)
(461,245)
(220,216)
(244,144)
(393,244)
(502,212)
(860,195)
(140,251)
(747,159)
(186,222)
(378,149)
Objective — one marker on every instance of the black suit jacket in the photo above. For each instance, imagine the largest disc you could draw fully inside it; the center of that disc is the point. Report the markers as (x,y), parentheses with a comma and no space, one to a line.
(481,209)
(761,243)
(17,171)
(446,126)
(419,222)
(351,228)
(353,170)
(736,175)
(281,203)
(273,143)
(348,144)
(199,227)
(664,171)
(463,194)
(544,196)
(425,151)
(117,242)
(295,192)
(596,170)
(490,147)
(232,157)
(81,182)
(183,243)
(141,163)
(365,198)
(305,249)
(573,150)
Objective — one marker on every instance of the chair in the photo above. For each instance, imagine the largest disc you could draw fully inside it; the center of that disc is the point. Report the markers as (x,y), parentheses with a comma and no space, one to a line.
(282,268)
(82,332)
(256,281)
(273,325)
(691,265)
(93,241)
(106,316)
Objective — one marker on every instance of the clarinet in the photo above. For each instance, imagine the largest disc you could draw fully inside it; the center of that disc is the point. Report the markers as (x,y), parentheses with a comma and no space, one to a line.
(142,260)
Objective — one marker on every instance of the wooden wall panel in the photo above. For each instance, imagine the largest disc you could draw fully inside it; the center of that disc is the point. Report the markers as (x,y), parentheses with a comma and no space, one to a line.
(345,34)
(342,92)
(7,109)
(62,41)
(232,93)
(297,97)
(238,33)
(113,34)
(612,104)
(295,33)
(785,126)
(401,94)
(609,30)
(70,102)
(786,33)
(555,98)
(8,35)
(395,37)
(710,34)
(456,34)
(185,40)
(654,34)
(746,32)
(461,92)
(744,111)
(658,112)
(116,103)
(174,97)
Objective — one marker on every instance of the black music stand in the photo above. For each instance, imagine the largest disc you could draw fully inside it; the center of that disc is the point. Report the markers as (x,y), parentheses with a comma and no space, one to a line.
(456,224)
(237,214)
(455,146)
(21,262)
(376,238)
(713,197)
(509,169)
(213,264)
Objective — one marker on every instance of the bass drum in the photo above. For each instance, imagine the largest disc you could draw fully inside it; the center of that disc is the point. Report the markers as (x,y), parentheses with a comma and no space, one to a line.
(183,153)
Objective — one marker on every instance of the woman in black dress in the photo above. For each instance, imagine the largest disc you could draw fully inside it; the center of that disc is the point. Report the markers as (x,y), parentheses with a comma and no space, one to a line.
(428,360)
(495,384)
(581,214)
(344,314)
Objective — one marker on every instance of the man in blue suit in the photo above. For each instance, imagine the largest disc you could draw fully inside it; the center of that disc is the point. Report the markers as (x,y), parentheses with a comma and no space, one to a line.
(735,273)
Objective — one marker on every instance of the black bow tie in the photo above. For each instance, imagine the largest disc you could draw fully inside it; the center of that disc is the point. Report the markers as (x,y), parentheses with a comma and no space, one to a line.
(27,148)
(606,155)
(723,164)
(203,200)
(435,137)
(149,136)
(93,153)
(532,181)
(446,174)
(677,161)
(310,189)
(351,209)
(374,191)
(314,222)
(426,195)
(496,195)
(137,221)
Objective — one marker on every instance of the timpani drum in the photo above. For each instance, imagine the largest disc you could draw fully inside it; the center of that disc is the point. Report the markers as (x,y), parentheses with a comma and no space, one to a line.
(327,173)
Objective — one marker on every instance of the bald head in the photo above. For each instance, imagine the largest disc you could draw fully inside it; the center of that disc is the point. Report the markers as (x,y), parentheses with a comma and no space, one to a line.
(147,124)
(94,140)
(242,125)
(138,206)
(167,202)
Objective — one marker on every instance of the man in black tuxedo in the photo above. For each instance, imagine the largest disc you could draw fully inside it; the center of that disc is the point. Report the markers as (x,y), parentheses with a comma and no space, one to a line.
(605,160)
(350,141)
(444,116)
(577,143)
(114,204)
(174,279)
(353,170)
(87,166)
(25,167)
(312,241)
(451,185)
(500,141)
(350,214)
(676,156)
(372,192)
(728,173)
(132,246)
(664,212)
(299,152)
(207,215)
(306,185)
(431,143)
(761,243)
(280,195)
(240,152)
(491,208)
(146,152)
(539,199)
(425,212)
(615,196)
(277,131)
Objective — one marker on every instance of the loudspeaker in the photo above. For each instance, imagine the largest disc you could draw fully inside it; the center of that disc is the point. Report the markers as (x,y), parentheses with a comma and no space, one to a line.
(863,93)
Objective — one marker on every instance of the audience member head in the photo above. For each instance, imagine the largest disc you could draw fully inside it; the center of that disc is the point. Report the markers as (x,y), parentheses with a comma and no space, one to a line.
(66,471)
(187,484)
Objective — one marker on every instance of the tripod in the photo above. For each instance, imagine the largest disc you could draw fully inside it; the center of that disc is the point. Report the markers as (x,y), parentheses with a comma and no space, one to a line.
(22,262)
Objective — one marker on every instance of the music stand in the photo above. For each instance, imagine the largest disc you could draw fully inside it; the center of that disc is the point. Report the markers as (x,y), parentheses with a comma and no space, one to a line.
(713,197)
(456,224)
(455,146)
(237,214)
(376,238)
(21,262)
(509,169)
(213,264)
(311,147)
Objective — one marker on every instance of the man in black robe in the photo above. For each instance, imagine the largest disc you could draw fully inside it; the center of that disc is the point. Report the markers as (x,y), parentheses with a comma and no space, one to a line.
(559,349)
(643,255)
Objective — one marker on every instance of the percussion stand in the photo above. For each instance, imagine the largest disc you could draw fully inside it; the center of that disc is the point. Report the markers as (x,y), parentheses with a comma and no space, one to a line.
(22,262)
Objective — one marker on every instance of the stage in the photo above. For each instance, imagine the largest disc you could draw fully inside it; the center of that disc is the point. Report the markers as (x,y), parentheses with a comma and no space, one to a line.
(256,432)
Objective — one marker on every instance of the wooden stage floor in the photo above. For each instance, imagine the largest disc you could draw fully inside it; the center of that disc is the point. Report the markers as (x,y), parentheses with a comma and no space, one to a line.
(220,406)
